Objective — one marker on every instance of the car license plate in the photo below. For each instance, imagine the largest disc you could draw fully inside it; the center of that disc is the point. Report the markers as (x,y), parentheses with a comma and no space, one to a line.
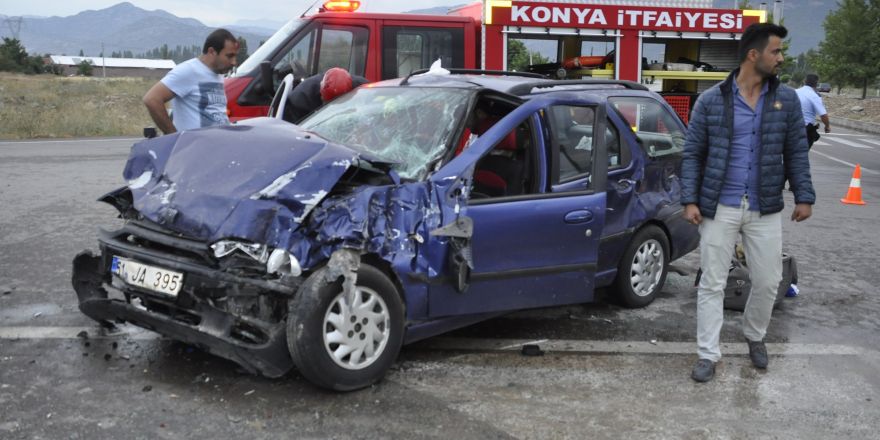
(148,277)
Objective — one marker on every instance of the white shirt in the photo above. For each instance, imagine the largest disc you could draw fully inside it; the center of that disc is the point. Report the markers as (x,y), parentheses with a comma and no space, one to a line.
(811,104)
(200,100)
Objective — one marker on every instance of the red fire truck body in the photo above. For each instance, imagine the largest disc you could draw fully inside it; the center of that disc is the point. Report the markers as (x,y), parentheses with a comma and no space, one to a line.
(384,46)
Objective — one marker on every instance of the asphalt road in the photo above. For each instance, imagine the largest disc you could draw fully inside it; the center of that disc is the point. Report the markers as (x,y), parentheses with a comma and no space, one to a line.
(608,372)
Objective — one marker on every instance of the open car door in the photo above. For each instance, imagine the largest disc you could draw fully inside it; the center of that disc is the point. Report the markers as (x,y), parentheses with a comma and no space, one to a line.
(532,249)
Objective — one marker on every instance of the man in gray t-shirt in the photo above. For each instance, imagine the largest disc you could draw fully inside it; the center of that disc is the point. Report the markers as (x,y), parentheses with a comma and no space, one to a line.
(195,87)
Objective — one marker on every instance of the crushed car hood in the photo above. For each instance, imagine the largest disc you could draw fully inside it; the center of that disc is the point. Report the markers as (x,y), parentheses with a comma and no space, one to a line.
(251,181)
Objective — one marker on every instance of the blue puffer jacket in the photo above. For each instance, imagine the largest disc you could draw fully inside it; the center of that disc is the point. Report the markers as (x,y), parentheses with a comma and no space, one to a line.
(783,155)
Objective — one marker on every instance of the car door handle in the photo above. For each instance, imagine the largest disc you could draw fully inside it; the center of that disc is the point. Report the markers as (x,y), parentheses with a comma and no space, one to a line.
(579,216)
(624,184)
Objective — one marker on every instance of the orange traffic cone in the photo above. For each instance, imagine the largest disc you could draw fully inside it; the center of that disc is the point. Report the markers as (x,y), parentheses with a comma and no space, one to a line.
(854,195)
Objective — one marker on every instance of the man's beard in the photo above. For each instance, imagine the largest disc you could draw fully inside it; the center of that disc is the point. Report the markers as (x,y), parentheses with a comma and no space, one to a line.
(766,72)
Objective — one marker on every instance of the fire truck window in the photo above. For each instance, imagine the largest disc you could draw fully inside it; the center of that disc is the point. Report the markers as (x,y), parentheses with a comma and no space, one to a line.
(345,48)
(655,127)
(406,49)
(298,58)
(339,46)
(409,52)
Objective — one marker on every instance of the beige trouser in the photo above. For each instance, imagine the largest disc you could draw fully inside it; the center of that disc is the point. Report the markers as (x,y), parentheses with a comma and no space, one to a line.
(762,242)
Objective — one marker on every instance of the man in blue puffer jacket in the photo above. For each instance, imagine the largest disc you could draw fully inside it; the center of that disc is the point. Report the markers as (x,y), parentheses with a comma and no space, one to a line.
(745,139)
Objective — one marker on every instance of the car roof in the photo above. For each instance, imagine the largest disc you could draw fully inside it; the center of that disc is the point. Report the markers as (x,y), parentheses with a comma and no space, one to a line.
(524,86)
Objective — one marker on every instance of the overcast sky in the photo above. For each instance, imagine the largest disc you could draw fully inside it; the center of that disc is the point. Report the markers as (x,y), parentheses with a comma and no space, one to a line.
(210,12)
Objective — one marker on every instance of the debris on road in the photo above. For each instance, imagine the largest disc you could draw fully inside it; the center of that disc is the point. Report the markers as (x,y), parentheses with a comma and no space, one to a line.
(532,350)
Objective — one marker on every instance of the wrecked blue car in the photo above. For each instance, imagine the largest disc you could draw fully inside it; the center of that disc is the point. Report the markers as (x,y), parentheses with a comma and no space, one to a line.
(399,211)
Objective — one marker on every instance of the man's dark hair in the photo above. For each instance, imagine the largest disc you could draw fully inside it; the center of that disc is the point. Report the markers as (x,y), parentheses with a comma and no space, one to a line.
(218,40)
(811,80)
(757,36)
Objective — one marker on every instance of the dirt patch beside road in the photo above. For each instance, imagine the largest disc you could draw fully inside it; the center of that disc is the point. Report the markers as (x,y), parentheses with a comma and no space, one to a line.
(840,106)
(48,106)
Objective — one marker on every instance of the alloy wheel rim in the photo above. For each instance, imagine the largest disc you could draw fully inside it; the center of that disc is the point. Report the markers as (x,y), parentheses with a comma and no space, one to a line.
(646,268)
(356,328)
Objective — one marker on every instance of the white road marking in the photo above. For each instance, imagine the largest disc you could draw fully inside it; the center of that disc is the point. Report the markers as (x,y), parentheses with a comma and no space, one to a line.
(851,165)
(850,143)
(873,141)
(71,333)
(483,345)
(69,141)
(823,143)
(635,347)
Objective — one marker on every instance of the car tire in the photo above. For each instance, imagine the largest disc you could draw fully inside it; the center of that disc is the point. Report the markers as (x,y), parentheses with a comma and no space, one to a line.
(336,354)
(643,267)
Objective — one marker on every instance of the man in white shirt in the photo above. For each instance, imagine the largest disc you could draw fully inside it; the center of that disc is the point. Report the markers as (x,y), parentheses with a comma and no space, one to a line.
(811,104)
(195,87)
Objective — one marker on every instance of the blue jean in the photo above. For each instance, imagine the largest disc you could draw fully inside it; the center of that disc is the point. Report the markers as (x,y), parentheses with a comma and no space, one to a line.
(762,242)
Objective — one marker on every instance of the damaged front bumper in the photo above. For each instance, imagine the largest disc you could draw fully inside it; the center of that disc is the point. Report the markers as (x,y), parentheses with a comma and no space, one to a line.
(236,317)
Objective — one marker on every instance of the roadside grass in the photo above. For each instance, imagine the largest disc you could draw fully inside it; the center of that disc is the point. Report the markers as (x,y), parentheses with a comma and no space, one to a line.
(48,106)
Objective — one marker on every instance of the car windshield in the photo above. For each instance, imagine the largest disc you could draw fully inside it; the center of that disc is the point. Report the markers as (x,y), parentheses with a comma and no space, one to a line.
(409,127)
(266,49)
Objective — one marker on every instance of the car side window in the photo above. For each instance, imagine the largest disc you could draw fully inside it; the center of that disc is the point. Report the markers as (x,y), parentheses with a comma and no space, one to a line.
(655,127)
(508,168)
(617,158)
(572,133)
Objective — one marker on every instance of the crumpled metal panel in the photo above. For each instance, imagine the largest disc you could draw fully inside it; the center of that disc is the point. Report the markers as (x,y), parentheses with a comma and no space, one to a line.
(235,181)
(267,182)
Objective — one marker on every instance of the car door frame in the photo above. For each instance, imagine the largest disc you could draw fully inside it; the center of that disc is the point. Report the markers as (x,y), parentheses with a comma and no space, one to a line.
(524,286)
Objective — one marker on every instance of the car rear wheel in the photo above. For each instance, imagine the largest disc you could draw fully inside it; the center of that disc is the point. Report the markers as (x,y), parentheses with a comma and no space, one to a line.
(345,342)
(643,267)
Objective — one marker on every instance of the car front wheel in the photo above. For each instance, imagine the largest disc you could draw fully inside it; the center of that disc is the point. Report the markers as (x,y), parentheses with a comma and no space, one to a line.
(345,342)
(643,267)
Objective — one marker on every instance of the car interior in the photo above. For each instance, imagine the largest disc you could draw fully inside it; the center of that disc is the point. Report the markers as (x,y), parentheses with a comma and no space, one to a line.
(508,168)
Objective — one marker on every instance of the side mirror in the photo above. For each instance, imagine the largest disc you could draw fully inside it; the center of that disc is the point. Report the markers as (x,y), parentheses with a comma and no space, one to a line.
(267,84)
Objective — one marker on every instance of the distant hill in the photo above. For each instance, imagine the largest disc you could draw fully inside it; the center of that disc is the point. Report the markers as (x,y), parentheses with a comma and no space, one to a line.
(127,27)
(120,27)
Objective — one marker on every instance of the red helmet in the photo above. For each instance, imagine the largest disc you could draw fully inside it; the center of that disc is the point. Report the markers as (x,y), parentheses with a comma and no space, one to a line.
(336,82)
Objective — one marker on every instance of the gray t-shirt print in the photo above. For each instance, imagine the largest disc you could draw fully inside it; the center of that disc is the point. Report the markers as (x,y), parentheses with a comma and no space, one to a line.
(200,100)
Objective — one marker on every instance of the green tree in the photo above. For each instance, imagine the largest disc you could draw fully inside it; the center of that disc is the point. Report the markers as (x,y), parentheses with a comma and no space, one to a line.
(13,57)
(242,50)
(519,57)
(850,53)
(81,53)
(84,68)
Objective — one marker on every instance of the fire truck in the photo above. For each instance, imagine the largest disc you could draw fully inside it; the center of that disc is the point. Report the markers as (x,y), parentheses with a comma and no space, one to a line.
(680,48)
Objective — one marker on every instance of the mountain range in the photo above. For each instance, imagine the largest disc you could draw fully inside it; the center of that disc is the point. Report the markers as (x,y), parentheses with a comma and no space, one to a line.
(120,27)
(127,27)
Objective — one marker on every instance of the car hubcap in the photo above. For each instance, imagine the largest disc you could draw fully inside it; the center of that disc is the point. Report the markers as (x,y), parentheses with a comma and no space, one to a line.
(356,328)
(647,268)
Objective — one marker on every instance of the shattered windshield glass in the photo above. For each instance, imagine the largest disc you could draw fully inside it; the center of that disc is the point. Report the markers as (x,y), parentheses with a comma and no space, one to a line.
(409,127)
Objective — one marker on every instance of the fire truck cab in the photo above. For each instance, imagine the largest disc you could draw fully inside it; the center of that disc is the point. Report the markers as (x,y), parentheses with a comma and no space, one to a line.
(677,51)
(375,46)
